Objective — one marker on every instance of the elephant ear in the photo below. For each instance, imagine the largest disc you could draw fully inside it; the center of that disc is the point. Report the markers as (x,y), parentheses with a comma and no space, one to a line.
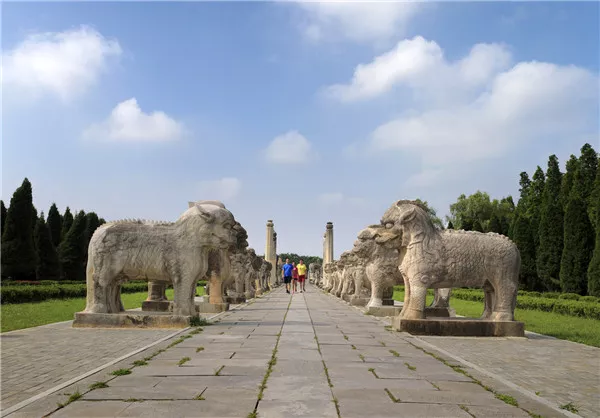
(407,216)
(208,217)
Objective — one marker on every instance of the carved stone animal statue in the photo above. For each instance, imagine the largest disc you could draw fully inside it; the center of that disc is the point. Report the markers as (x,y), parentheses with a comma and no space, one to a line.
(328,280)
(265,274)
(314,273)
(254,264)
(377,247)
(178,252)
(337,277)
(351,261)
(430,258)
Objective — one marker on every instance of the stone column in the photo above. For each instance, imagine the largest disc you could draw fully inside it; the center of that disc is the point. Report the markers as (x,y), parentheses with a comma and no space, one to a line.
(270,253)
(215,285)
(328,258)
(157,298)
(276,275)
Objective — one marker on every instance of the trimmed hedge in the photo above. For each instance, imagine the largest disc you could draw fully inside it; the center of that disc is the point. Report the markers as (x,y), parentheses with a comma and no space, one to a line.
(38,293)
(20,293)
(563,303)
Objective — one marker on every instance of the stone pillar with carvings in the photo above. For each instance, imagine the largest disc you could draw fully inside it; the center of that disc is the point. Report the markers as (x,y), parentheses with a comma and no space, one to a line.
(328,257)
(270,252)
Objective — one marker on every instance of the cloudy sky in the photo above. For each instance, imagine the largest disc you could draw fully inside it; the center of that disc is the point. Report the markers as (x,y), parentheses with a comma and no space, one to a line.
(298,112)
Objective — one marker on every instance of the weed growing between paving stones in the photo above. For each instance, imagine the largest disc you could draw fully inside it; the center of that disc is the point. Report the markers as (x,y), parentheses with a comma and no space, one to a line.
(395,353)
(435,386)
(392,397)
(197,321)
(362,357)
(121,372)
(337,406)
(327,374)
(464,408)
(140,363)
(98,385)
(506,399)
(346,337)
(409,366)
(218,371)
(199,349)
(372,370)
(197,331)
(252,415)
(570,407)
(353,347)
(382,343)
(185,360)
(72,398)
(388,328)
(133,400)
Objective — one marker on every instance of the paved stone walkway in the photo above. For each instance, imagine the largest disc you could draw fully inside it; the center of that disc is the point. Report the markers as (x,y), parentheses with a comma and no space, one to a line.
(304,355)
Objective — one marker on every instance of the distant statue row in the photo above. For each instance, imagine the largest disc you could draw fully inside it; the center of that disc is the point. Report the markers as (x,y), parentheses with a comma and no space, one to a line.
(407,248)
(205,241)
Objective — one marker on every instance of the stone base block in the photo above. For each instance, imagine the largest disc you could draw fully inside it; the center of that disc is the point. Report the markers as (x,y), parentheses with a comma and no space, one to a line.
(205,307)
(258,292)
(439,312)
(459,327)
(130,319)
(388,302)
(384,310)
(234,300)
(346,298)
(155,305)
(358,301)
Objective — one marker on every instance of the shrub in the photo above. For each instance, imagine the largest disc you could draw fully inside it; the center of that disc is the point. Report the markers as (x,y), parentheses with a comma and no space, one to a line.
(41,292)
(589,299)
(569,296)
(551,295)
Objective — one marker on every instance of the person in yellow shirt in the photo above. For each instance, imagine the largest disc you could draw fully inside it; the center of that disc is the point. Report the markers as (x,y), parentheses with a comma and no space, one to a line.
(302,275)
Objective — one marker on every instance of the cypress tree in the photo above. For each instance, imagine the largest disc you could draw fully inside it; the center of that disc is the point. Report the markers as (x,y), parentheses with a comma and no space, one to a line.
(495,225)
(71,251)
(588,164)
(523,238)
(578,240)
(593,273)
(534,203)
(594,202)
(92,222)
(54,224)
(48,267)
(3,220)
(567,181)
(67,222)
(18,251)
(550,232)
(450,225)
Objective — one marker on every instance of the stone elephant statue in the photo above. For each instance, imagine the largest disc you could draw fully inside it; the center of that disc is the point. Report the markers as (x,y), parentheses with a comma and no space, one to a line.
(431,258)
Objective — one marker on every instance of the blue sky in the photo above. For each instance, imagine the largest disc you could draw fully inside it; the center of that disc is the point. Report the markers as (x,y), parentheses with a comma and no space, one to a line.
(297,112)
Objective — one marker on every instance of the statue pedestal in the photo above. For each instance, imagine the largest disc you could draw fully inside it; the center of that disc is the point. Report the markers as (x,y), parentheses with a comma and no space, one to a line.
(440,312)
(358,300)
(459,327)
(384,310)
(346,298)
(207,307)
(234,299)
(156,305)
(388,302)
(130,319)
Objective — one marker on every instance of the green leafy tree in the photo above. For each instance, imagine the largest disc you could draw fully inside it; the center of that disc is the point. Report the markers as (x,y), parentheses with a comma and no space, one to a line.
(578,239)
(54,224)
(567,181)
(550,231)
(3,220)
(307,259)
(18,250)
(477,226)
(48,267)
(466,210)
(495,225)
(593,273)
(67,222)
(72,249)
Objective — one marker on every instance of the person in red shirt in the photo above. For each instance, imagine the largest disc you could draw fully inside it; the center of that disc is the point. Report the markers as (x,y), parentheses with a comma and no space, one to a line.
(294,278)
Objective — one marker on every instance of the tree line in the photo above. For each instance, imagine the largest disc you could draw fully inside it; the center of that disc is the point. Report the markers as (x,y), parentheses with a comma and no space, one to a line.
(35,247)
(555,224)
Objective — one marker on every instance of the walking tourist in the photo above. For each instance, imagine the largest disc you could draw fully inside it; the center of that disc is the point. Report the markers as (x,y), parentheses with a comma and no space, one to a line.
(302,275)
(294,277)
(286,272)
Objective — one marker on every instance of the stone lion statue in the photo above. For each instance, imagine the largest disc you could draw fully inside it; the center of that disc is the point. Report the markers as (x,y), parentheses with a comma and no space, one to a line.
(180,252)
(431,258)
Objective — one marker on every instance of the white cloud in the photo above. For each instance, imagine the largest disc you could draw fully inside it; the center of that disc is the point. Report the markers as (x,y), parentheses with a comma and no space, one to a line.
(289,148)
(337,199)
(127,122)
(420,64)
(65,64)
(479,107)
(224,189)
(356,21)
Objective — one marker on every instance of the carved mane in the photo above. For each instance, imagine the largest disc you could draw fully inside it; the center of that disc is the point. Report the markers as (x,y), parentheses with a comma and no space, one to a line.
(425,237)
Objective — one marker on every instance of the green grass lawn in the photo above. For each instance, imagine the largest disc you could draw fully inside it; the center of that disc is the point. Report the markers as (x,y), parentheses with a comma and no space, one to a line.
(572,328)
(26,315)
